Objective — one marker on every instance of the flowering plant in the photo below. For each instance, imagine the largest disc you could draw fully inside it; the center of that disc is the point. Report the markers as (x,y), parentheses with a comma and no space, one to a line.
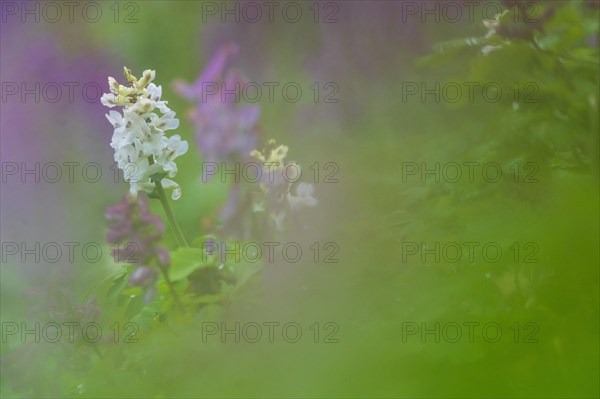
(142,150)
(225,132)
(277,177)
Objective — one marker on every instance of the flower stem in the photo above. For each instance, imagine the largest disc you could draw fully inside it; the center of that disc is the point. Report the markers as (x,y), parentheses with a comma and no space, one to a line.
(165,203)
(160,192)
(180,240)
(172,288)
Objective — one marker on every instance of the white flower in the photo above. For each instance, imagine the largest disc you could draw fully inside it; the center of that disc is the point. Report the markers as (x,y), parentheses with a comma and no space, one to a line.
(165,122)
(303,198)
(141,147)
(171,185)
(115,119)
(271,156)
(275,197)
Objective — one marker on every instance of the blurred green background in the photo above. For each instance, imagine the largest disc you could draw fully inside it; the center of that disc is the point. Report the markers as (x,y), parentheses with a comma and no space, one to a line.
(376,290)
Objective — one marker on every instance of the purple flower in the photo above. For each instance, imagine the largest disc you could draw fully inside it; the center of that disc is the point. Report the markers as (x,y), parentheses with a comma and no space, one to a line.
(145,277)
(211,74)
(135,232)
(131,223)
(142,276)
(226,131)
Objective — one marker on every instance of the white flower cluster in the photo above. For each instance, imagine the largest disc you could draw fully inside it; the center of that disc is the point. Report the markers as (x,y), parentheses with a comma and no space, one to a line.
(279,200)
(141,147)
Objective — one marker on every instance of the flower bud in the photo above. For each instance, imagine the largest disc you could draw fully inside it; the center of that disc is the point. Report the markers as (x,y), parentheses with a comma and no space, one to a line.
(162,255)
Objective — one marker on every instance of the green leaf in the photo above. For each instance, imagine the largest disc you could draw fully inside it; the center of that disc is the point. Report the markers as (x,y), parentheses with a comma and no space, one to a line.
(185,260)
(207,299)
(119,283)
(201,242)
(134,306)
(109,285)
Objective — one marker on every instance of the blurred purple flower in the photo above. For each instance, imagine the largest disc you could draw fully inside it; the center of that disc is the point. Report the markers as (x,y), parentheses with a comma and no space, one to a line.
(50,119)
(48,109)
(211,74)
(230,208)
(226,131)
(132,223)
(135,232)
(145,277)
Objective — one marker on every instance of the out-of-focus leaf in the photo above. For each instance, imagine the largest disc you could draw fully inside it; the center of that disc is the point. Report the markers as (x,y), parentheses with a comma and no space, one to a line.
(185,260)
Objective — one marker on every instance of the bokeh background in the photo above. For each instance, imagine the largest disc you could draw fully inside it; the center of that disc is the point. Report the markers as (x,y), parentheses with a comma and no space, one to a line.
(370,51)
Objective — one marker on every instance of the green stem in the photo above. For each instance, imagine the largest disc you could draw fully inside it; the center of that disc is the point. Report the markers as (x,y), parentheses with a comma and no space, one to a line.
(160,192)
(172,289)
(165,203)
